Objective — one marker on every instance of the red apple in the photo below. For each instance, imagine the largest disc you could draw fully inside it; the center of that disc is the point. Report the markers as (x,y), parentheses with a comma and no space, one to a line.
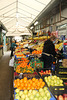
(41,71)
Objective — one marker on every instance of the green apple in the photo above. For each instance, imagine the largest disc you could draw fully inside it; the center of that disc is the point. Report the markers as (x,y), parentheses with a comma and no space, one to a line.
(40,98)
(17,97)
(40,90)
(48,94)
(23,96)
(31,97)
(29,94)
(20,93)
(30,91)
(37,95)
(34,92)
(42,93)
(45,98)
(61,81)
(35,98)
(17,90)
(25,91)
(27,98)
(45,88)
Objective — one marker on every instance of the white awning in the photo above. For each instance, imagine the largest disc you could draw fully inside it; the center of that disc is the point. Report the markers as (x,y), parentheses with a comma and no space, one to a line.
(16,15)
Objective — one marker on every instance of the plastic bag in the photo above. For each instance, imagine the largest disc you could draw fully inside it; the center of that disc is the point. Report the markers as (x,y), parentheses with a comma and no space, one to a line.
(11,62)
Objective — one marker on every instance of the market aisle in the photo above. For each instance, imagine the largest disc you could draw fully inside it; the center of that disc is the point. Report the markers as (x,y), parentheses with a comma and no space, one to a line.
(6,77)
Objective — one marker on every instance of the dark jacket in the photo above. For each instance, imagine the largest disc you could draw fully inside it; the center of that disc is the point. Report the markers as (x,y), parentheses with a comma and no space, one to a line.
(49,47)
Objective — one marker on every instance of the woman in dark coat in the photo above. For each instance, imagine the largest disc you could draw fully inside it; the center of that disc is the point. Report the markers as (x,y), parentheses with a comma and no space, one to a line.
(48,52)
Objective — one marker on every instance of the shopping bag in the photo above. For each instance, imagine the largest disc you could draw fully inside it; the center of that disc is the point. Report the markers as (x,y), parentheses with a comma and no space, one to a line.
(11,62)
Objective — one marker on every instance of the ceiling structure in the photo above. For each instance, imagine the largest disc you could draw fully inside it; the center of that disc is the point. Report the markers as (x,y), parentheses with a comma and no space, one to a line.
(16,15)
(54,7)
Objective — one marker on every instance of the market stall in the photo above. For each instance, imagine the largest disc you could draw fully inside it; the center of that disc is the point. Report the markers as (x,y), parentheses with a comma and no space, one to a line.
(31,80)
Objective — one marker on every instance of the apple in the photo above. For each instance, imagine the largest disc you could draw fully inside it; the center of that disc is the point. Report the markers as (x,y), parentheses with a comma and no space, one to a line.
(25,91)
(27,98)
(45,88)
(29,94)
(45,98)
(42,93)
(30,91)
(17,97)
(47,72)
(34,92)
(23,96)
(35,98)
(31,97)
(17,90)
(48,94)
(41,71)
(40,98)
(37,95)
(40,90)
(20,93)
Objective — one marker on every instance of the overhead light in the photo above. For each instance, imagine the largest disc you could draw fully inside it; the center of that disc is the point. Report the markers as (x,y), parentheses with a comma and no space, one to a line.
(31,27)
(36,23)
(3,31)
(17,15)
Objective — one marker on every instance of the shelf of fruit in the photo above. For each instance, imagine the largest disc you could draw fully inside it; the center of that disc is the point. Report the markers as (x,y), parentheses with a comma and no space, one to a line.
(41,94)
(24,68)
(27,84)
(47,72)
(53,81)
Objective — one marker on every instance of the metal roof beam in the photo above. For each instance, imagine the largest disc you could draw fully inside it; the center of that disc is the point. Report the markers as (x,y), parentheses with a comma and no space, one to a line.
(9,21)
(7,6)
(25,15)
(40,2)
(25,20)
(27,11)
(8,11)
(28,6)
(7,16)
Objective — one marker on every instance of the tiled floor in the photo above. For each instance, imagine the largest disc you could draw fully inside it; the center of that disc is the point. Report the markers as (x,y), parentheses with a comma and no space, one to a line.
(6,78)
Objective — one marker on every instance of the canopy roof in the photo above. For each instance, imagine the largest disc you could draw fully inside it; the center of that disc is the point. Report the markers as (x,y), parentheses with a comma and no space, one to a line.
(16,15)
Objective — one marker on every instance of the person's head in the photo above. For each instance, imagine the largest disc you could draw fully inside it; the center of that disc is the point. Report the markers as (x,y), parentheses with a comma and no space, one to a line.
(53,38)
(13,41)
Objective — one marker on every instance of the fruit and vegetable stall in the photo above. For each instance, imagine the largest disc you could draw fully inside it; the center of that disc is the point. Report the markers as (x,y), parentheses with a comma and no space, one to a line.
(32,81)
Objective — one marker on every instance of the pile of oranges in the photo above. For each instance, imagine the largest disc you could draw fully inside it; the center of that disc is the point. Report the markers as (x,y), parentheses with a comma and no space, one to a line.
(28,84)
(24,68)
(37,52)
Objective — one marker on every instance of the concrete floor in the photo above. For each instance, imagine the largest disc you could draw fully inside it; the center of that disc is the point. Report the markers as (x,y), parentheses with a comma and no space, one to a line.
(6,78)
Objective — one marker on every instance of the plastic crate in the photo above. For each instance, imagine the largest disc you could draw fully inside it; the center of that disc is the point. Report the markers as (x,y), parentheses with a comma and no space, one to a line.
(58,90)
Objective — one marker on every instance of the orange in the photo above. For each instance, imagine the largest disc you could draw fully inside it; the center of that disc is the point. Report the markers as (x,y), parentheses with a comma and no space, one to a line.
(33,79)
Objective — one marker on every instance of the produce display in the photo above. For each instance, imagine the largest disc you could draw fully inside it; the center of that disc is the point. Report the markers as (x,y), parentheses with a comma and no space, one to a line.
(24,68)
(62,97)
(42,94)
(47,72)
(37,52)
(27,84)
(31,86)
(53,81)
